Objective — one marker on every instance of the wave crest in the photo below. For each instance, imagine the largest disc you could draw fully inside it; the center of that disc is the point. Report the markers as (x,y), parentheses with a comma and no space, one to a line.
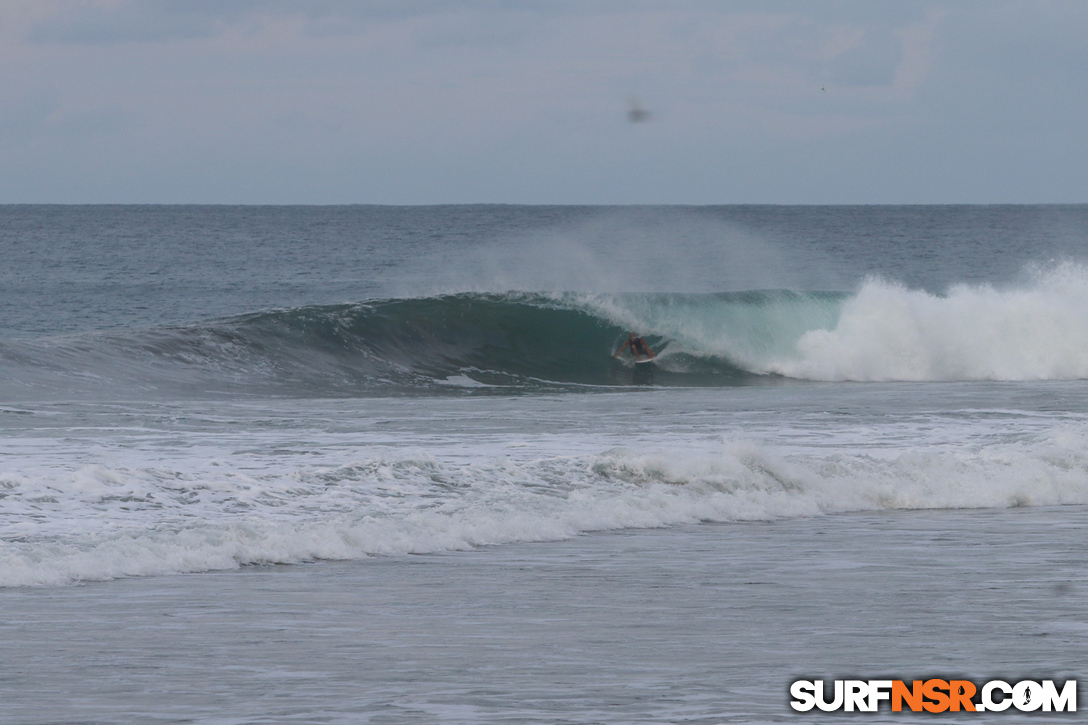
(476,343)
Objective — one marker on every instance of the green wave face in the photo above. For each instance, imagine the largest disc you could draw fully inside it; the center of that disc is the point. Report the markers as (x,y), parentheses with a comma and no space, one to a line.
(438,345)
(527,340)
(750,331)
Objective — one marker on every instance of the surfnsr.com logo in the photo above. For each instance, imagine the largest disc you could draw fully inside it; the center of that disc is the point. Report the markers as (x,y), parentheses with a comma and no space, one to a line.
(935,696)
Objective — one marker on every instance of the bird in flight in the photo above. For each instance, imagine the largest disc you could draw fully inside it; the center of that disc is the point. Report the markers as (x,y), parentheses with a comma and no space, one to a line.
(636,113)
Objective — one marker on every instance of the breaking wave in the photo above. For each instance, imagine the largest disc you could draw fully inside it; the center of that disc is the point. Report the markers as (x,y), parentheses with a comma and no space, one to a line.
(102,522)
(472,342)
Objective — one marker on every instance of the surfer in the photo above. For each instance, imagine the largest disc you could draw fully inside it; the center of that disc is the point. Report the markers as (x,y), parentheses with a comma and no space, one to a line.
(638,346)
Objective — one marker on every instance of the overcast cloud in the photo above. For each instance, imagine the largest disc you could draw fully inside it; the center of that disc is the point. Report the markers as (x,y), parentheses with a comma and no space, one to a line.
(338,101)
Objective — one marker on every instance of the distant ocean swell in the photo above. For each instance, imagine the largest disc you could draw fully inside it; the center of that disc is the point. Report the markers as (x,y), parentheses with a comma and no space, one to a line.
(883,332)
(98,523)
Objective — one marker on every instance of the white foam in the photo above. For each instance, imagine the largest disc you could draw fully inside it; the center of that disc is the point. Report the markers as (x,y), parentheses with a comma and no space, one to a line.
(97,522)
(462,381)
(888,332)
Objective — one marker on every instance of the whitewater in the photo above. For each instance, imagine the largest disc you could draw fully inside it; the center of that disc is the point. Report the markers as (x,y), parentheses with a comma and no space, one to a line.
(302,408)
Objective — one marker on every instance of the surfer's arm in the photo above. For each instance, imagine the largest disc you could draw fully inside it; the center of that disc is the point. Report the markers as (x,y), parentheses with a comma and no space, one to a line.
(622,348)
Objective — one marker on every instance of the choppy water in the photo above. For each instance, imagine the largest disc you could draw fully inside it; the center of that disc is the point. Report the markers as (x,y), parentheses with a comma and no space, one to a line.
(192,389)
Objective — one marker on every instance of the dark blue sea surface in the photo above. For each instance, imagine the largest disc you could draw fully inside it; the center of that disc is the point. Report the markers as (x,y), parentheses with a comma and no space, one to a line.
(82,268)
(364,300)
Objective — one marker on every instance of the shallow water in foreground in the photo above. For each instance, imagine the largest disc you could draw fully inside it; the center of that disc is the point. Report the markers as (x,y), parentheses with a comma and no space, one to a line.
(700,624)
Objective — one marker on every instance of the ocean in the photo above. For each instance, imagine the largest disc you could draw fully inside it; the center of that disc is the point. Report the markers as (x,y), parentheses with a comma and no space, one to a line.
(379,464)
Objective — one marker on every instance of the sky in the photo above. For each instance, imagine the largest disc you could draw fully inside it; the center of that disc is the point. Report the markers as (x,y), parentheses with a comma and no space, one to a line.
(543,101)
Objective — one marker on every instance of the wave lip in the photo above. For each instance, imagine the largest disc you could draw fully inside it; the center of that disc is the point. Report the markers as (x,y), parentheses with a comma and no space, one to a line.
(466,342)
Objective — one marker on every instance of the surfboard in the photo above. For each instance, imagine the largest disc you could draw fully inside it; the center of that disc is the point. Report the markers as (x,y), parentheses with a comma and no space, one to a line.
(636,361)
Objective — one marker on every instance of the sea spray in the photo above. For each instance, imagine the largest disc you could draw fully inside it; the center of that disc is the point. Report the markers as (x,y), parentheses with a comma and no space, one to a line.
(974,332)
